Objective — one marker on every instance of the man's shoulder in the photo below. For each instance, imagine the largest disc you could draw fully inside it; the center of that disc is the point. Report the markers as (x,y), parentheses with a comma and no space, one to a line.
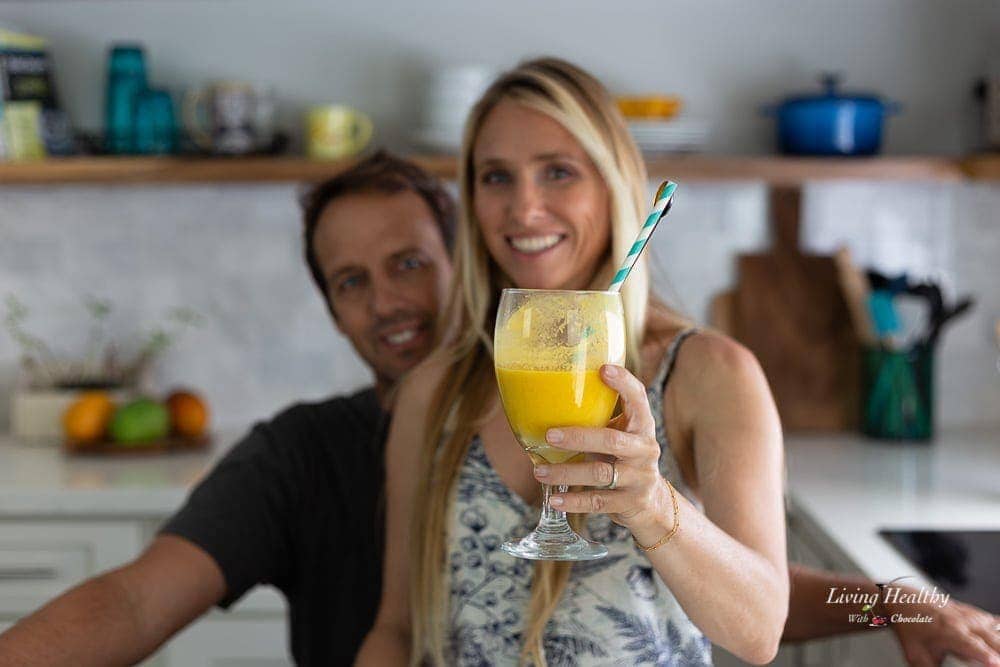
(362,402)
(355,417)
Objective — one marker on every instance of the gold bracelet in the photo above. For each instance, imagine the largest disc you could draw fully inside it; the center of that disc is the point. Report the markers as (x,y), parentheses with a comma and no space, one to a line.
(677,523)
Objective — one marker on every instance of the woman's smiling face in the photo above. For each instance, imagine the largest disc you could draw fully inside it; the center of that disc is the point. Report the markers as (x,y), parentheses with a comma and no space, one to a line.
(542,206)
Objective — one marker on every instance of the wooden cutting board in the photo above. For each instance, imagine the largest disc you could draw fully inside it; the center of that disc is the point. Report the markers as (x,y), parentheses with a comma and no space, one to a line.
(790,311)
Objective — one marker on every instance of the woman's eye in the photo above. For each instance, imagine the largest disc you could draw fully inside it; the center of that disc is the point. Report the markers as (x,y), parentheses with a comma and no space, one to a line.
(558,173)
(495,177)
(411,263)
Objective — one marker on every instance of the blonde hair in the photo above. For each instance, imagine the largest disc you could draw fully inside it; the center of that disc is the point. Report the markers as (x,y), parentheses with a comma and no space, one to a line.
(580,104)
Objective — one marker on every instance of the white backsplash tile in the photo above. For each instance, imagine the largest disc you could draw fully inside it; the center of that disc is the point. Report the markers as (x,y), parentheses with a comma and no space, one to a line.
(693,247)
(892,227)
(233,253)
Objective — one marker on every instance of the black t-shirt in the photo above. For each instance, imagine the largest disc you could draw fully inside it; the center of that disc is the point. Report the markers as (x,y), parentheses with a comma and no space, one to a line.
(298,504)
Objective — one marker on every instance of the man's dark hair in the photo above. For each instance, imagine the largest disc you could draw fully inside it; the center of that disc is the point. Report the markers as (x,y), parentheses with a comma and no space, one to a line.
(380,173)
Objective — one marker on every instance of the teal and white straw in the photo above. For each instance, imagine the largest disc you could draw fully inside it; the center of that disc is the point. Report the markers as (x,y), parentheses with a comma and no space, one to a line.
(661,204)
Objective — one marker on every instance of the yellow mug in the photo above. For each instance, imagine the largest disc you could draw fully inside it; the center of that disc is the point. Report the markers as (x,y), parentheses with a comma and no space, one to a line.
(336,131)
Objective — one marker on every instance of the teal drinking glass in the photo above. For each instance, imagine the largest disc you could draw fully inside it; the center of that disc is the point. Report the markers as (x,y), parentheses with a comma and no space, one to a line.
(155,123)
(126,80)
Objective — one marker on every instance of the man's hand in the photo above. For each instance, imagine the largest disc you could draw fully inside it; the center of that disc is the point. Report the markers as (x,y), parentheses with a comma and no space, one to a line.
(958,629)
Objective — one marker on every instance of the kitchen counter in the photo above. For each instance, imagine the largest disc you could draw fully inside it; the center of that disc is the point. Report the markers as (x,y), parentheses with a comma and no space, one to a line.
(39,480)
(844,486)
(842,490)
(849,488)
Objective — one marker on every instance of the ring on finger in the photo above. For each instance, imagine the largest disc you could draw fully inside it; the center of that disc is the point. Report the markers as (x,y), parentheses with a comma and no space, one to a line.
(613,484)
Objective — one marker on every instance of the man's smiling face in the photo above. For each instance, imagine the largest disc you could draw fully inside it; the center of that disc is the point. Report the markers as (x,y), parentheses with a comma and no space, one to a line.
(387,272)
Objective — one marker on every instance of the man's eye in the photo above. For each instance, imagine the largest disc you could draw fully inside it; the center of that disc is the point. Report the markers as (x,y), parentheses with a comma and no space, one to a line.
(349,283)
(495,177)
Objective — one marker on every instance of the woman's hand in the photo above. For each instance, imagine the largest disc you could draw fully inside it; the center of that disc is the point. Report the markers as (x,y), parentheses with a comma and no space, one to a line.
(641,500)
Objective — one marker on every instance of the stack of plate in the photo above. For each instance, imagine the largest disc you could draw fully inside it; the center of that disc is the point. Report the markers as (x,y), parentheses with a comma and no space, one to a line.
(448,97)
(677,135)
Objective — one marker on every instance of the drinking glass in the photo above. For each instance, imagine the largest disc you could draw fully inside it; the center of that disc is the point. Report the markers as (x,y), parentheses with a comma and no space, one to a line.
(549,346)
(155,125)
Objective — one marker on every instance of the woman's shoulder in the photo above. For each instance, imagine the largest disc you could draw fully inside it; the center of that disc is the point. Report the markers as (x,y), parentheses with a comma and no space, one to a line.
(711,365)
(706,355)
(713,352)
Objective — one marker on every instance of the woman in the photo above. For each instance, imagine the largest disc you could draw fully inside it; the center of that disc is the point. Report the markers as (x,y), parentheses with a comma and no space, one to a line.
(553,192)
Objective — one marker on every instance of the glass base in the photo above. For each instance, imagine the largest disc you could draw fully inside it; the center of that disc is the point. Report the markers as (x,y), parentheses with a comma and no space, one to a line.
(566,546)
(554,539)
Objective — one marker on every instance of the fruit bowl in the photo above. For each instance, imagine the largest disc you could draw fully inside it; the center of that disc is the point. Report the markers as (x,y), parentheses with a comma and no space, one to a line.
(93,424)
(157,446)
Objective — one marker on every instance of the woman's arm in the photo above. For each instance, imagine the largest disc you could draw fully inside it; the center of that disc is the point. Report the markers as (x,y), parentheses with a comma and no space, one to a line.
(726,567)
(388,642)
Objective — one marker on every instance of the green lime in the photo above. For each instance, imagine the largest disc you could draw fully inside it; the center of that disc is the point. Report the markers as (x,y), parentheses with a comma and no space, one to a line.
(140,420)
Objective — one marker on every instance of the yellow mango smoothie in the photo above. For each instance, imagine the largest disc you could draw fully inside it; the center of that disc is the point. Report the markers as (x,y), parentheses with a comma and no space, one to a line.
(537,400)
(547,356)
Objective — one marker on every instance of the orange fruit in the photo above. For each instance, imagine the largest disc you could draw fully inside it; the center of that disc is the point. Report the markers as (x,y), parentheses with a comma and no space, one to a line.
(188,414)
(87,418)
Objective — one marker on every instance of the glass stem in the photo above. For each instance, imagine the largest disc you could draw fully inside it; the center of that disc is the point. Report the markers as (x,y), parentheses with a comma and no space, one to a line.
(553,521)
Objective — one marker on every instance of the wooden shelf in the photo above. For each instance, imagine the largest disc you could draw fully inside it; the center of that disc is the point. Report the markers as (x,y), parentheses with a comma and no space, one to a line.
(770,169)
(184,170)
(780,170)
(984,167)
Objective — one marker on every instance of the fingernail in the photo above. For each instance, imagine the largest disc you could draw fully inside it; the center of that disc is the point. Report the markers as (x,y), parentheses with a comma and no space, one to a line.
(541,471)
(556,501)
(554,435)
(610,371)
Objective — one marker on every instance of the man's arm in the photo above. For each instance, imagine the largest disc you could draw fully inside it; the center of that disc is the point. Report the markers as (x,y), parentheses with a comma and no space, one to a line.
(121,616)
(809,616)
(957,629)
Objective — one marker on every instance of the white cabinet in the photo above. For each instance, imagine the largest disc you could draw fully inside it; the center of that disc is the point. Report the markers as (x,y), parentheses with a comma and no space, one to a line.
(40,559)
(253,633)
(220,641)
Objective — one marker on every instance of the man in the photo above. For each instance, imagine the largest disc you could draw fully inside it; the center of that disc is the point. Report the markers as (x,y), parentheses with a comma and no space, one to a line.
(296,502)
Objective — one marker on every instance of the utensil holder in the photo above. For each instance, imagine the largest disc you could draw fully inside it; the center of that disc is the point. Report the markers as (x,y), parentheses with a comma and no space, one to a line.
(898,393)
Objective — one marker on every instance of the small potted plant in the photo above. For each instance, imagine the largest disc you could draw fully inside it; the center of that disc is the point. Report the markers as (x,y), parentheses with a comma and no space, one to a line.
(49,382)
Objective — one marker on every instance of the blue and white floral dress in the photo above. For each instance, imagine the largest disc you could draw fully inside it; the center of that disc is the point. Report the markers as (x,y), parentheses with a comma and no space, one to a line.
(614,611)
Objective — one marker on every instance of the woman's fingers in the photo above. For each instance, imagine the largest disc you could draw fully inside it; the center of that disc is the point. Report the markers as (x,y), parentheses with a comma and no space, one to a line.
(594,502)
(635,404)
(620,444)
(590,473)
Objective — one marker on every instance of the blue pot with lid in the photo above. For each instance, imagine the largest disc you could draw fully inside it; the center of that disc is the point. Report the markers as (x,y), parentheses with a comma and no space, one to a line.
(831,122)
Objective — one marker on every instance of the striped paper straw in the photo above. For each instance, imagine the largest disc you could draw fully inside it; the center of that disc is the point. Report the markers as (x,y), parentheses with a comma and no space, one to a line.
(661,204)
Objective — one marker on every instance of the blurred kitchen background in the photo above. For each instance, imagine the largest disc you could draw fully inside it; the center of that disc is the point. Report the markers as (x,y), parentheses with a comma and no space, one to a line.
(194,268)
